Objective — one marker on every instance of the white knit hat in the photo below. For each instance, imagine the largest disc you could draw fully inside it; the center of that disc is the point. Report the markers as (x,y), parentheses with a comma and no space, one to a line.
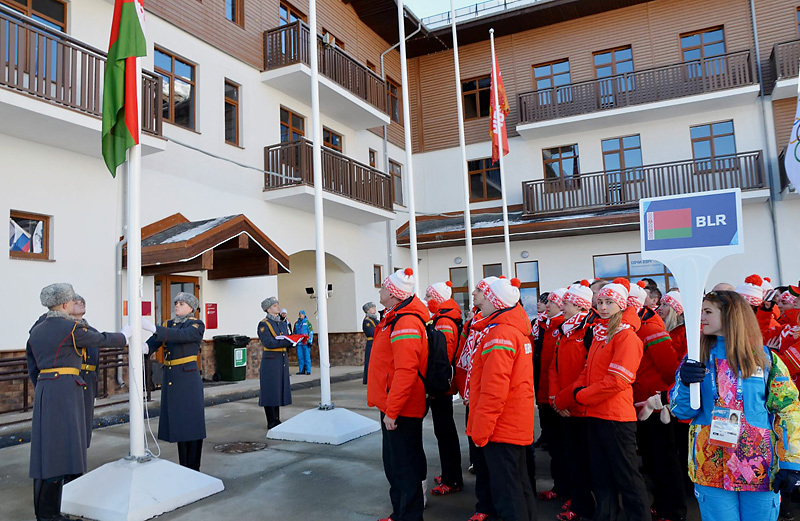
(440,291)
(787,297)
(616,291)
(751,290)
(400,283)
(637,295)
(674,300)
(580,295)
(483,285)
(503,293)
(766,285)
(557,297)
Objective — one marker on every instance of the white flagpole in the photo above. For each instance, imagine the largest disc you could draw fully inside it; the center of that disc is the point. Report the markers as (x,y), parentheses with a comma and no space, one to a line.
(322,281)
(412,216)
(134,230)
(496,129)
(463,147)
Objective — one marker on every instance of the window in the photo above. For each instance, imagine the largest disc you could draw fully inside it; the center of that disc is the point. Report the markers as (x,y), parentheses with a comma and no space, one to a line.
(178,88)
(28,236)
(798,20)
(484,180)
(52,13)
(622,162)
(331,139)
(555,76)
(393,100)
(164,298)
(632,267)
(231,113)
(459,278)
(476,97)
(703,44)
(713,142)
(561,162)
(610,64)
(234,11)
(289,15)
(373,158)
(528,274)
(377,276)
(396,169)
(492,270)
(292,126)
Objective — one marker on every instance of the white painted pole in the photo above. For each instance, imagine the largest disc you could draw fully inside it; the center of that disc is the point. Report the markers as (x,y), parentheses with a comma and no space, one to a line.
(463,146)
(409,177)
(497,126)
(322,281)
(135,362)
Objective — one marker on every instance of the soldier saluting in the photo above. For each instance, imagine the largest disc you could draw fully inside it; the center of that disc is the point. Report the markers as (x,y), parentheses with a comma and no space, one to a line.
(56,350)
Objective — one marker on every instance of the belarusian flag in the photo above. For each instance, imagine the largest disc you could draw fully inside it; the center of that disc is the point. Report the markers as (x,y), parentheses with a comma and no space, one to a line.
(120,103)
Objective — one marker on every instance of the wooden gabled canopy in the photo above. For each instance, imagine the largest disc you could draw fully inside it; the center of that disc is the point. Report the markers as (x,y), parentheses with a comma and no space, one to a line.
(228,247)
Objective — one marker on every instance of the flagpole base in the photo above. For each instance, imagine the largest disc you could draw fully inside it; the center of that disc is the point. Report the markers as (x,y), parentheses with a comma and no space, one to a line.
(135,490)
(327,426)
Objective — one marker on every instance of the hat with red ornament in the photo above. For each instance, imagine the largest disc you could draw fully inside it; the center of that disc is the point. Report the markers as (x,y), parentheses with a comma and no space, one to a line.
(400,283)
(503,293)
(440,291)
(580,295)
(751,290)
(618,291)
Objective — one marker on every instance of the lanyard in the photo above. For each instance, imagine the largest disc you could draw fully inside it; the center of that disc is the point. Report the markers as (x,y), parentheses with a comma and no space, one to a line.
(739,392)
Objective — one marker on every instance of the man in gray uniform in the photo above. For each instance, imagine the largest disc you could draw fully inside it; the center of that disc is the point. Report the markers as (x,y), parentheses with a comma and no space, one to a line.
(56,350)
(88,367)
(276,390)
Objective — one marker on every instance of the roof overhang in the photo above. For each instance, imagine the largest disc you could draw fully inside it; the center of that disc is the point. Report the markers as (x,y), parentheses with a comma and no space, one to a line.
(227,247)
(381,17)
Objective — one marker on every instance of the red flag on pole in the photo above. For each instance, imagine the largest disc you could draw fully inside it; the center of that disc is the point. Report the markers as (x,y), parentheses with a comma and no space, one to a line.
(498,128)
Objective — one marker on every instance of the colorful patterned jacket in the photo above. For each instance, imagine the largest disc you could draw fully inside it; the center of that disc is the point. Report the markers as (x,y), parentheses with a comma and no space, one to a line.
(770,432)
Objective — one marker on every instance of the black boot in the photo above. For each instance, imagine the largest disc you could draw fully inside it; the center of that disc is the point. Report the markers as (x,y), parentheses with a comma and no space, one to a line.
(37,490)
(273,417)
(49,507)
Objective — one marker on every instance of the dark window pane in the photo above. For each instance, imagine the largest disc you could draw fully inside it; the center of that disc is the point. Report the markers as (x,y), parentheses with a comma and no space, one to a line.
(468,85)
(231,92)
(398,190)
(474,165)
(484,83)
(459,277)
(284,134)
(476,186)
(230,123)
(470,106)
(50,9)
(298,122)
(284,116)
(492,270)
(484,103)
(493,184)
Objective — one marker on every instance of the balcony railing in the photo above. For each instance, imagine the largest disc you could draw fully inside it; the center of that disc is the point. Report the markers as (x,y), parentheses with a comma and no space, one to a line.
(47,64)
(635,88)
(340,174)
(784,60)
(623,188)
(288,45)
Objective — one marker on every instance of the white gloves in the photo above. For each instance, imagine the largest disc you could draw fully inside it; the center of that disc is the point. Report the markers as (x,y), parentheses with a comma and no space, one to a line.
(127,330)
(145,348)
(653,404)
(148,325)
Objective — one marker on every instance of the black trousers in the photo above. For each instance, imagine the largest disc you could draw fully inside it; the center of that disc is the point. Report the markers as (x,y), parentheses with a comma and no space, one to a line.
(615,470)
(472,446)
(47,497)
(508,475)
(273,416)
(576,459)
(660,457)
(483,488)
(444,427)
(681,432)
(405,467)
(189,453)
(551,430)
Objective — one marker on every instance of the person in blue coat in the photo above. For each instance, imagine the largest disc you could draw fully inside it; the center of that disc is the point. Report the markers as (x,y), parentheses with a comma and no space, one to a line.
(302,326)
(182,419)
(276,390)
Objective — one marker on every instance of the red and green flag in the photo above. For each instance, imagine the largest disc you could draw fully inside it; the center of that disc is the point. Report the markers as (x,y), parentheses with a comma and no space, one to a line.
(120,103)
(669,224)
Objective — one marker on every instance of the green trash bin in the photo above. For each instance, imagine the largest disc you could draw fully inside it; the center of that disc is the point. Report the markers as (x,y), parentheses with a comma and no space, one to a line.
(230,352)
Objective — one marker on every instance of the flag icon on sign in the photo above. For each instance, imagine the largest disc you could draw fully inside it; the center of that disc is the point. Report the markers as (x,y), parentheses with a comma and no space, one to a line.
(669,224)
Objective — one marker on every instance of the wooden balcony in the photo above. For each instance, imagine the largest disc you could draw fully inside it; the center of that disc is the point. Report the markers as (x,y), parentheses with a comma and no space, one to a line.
(783,64)
(345,83)
(365,189)
(46,64)
(691,78)
(612,190)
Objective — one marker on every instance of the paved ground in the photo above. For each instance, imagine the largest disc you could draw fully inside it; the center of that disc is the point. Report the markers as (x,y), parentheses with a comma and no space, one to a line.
(285,481)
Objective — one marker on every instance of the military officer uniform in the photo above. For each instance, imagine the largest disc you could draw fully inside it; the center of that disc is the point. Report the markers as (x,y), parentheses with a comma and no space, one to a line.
(368,327)
(89,375)
(276,389)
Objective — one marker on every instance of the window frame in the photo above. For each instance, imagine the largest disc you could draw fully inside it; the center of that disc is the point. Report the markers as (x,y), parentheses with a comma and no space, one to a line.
(394,98)
(527,285)
(28,11)
(393,163)
(477,93)
(459,289)
(290,10)
(701,47)
(482,171)
(237,113)
(710,139)
(667,274)
(571,182)
(238,12)
(492,265)
(171,75)
(554,93)
(373,158)
(46,233)
(379,281)
(290,126)
(613,64)
(328,143)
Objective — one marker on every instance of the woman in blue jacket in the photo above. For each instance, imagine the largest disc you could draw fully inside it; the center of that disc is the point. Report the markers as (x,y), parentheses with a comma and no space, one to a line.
(745,437)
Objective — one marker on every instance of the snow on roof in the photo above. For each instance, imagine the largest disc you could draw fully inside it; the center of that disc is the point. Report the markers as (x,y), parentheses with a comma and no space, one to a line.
(185,231)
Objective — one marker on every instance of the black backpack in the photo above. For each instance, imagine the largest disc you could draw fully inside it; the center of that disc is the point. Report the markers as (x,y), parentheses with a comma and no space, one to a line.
(439,375)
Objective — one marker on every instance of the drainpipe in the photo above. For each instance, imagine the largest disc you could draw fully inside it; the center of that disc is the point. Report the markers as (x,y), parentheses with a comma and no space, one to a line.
(389,232)
(771,146)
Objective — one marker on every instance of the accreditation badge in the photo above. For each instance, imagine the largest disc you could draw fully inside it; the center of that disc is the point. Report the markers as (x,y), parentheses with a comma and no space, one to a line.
(725,427)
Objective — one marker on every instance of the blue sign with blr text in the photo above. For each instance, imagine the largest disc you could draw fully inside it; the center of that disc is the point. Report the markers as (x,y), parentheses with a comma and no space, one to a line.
(693,221)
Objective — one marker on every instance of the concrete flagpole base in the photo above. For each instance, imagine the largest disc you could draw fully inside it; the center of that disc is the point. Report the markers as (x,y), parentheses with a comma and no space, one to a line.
(127,490)
(331,426)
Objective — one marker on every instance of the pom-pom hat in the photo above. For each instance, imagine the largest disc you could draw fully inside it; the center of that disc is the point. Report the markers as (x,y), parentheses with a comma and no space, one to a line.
(637,295)
(766,285)
(788,298)
(503,293)
(484,283)
(616,291)
(400,283)
(751,290)
(440,291)
(580,295)
(557,297)
(56,294)
(674,300)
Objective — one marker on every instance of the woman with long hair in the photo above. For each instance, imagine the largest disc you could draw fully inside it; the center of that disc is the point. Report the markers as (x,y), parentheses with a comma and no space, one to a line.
(738,466)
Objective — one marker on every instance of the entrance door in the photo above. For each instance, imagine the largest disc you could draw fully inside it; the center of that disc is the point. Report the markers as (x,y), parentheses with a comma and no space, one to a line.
(167,288)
